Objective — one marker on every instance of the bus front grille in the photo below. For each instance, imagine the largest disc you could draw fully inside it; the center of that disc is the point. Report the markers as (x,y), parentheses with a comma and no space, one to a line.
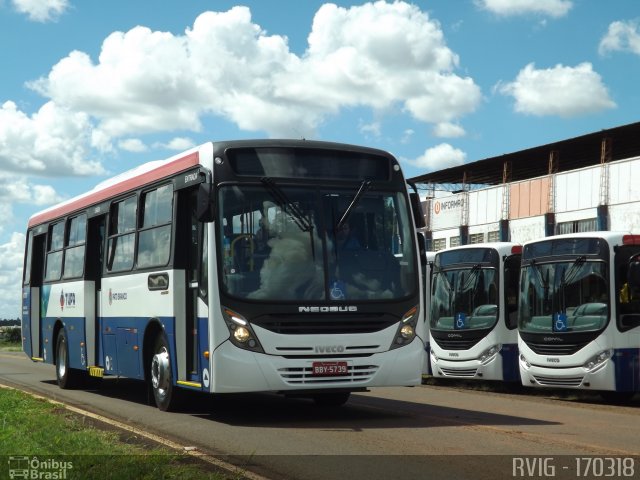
(458,372)
(559,381)
(449,344)
(324,324)
(555,348)
(304,375)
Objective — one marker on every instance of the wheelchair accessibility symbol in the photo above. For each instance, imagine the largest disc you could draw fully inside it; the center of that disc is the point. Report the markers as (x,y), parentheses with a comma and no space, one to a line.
(461,321)
(560,322)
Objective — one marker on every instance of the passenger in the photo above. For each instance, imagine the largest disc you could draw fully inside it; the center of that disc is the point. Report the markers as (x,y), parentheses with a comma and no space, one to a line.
(346,238)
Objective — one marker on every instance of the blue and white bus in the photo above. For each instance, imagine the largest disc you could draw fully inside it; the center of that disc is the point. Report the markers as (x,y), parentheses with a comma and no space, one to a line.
(473,320)
(242,266)
(579,313)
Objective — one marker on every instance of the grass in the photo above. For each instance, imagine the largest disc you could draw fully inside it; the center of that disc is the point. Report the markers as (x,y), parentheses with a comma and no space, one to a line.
(31,427)
(10,340)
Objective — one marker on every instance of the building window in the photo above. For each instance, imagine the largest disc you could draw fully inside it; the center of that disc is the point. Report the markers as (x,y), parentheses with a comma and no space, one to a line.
(476,238)
(454,241)
(576,226)
(439,244)
(493,236)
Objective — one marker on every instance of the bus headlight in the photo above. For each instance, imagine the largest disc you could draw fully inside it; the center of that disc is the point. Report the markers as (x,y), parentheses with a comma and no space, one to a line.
(406,330)
(523,361)
(489,354)
(241,333)
(597,361)
(434,357)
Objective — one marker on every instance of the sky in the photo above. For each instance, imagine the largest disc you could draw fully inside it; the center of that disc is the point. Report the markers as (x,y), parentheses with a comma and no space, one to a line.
(89,89)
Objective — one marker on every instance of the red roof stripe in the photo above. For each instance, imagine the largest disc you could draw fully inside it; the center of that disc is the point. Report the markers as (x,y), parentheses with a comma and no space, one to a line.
(163,171)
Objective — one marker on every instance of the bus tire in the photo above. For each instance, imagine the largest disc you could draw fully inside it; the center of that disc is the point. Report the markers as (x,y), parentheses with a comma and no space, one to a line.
(66,376)
(333,399)
(164,392)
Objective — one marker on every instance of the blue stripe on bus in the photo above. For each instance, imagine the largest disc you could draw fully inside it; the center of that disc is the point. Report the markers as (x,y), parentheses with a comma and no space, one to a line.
(627,368)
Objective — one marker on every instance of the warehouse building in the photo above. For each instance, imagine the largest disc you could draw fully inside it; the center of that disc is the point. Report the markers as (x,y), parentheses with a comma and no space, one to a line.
(587,183)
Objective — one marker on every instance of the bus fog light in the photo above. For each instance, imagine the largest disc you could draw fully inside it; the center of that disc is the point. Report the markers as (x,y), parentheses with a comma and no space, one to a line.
(241,334)
(524,362)
(489,354)
(597,360)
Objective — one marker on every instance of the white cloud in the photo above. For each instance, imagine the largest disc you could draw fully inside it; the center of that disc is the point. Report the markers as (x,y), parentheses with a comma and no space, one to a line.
(41,10)
(134,145)
(407,135)
(378,55)
(177,144)
(53,141)
(373,128)
(506,8)
(621,36)
(448,130)
(439,157)
(11,254)
(562,91)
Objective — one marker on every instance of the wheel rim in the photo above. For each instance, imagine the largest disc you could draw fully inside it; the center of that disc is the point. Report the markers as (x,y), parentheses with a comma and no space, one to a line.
(160,375)
(62,359)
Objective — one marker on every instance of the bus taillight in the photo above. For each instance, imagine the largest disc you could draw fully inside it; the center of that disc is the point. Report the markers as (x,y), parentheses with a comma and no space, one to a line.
(631,240)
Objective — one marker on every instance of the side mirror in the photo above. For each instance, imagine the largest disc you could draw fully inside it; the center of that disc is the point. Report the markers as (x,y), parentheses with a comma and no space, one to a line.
(204,209)
(633,275)
(422,248)
(416,207)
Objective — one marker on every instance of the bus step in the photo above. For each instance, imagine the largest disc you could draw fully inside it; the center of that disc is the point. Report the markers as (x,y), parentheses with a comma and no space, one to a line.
(96,372)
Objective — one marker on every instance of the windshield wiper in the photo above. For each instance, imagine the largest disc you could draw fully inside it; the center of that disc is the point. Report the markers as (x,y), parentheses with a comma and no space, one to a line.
(288,207)
(364,186)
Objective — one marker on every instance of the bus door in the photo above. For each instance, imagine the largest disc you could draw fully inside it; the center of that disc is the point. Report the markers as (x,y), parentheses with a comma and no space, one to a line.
(34,299)
(188,233)
(94,259)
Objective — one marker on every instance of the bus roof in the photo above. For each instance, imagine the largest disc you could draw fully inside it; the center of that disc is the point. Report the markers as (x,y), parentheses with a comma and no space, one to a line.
(122,183)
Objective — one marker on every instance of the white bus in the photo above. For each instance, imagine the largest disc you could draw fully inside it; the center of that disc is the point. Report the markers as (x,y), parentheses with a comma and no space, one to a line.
(473,319)
(243,266)
(579,313)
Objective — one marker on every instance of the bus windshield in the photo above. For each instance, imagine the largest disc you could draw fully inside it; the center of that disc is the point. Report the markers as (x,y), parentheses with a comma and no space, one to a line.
(565,296)
(282,242)
(464,298)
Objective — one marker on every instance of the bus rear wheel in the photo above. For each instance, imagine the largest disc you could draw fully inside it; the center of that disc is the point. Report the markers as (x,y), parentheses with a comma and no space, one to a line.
(66,376)
(164,392)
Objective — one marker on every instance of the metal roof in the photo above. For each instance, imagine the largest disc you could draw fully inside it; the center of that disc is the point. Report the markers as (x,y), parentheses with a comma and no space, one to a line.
(579,152)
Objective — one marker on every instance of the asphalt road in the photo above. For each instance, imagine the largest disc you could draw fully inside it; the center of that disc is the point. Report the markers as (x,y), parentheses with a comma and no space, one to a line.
(427,432)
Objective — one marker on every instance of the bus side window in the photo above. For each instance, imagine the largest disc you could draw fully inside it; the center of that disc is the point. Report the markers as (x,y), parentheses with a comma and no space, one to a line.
(122,226)
(53,269)
(74,253)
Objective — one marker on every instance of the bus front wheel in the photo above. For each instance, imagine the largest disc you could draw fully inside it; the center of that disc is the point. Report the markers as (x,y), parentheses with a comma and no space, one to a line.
(164,392)
(66,376)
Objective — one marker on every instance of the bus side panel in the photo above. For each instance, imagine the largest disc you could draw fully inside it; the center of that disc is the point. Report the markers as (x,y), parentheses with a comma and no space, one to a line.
(26,320)
(627,369)
(74,327)
(203,346)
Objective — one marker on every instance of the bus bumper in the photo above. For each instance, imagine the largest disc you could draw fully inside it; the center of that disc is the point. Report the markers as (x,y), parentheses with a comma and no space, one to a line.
(570,377)
(255,372)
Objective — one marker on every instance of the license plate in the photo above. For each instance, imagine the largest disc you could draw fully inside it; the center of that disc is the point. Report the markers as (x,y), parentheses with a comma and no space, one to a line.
(329,369)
